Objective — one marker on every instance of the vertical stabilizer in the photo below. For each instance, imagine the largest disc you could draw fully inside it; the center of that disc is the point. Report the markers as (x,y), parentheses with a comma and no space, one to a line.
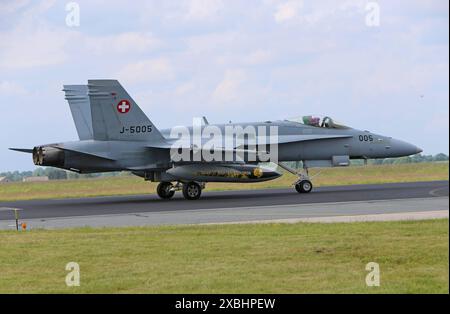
(77,97)
(116,116)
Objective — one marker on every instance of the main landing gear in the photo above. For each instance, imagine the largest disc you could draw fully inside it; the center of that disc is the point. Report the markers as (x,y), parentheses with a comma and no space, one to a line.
(303,184)
(165,190)
(191,190)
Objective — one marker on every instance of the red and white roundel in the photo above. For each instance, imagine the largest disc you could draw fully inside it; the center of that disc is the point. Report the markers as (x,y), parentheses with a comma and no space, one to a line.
(123,106)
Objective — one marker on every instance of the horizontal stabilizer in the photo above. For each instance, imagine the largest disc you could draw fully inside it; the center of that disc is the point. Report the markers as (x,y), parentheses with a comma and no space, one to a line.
(23,150)
(87,153)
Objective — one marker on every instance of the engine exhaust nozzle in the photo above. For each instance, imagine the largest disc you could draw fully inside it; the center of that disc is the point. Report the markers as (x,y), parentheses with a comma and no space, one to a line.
(48,156)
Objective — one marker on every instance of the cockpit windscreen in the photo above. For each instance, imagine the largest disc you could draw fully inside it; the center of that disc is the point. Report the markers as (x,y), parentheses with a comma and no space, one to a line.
(319,122)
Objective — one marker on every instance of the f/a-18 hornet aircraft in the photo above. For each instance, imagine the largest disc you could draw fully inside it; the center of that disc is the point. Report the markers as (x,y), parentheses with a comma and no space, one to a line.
(116,135)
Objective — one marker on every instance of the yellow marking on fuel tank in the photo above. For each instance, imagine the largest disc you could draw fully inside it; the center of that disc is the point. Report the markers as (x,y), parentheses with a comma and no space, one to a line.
(258,172)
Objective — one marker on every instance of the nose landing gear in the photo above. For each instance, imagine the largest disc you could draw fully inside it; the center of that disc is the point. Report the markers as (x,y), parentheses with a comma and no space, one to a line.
(303,184)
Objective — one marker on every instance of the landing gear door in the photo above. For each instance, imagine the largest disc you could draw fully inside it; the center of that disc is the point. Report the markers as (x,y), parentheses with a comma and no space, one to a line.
(340,161)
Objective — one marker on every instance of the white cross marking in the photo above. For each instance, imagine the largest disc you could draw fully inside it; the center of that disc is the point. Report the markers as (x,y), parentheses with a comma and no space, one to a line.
(124,106)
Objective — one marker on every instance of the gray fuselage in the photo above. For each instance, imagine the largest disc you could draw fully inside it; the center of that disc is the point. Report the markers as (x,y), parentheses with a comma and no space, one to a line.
(309,145)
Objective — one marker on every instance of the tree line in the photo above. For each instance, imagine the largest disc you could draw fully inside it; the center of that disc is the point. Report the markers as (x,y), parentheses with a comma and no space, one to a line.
(57,174)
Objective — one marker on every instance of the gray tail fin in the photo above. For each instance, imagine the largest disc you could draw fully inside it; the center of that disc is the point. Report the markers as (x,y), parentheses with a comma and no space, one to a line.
(115,115)
(77,97)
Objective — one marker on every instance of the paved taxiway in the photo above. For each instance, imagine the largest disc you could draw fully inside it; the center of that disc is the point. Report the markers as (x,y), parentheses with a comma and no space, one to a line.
(233,206)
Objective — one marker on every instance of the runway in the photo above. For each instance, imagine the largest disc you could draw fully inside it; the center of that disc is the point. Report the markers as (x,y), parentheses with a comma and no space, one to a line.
(232,206)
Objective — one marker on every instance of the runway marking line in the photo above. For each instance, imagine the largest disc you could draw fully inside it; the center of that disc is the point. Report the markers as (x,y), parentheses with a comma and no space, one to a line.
(434,192)
(326,187)
(171,212)
(437,214)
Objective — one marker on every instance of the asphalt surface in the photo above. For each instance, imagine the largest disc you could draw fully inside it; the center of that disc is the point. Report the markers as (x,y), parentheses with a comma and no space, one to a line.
(274,198)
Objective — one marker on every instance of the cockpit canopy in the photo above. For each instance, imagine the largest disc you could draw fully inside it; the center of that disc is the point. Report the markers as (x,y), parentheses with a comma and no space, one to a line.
(319,122)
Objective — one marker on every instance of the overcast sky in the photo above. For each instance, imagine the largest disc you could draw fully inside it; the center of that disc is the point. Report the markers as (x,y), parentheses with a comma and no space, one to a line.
(229,60)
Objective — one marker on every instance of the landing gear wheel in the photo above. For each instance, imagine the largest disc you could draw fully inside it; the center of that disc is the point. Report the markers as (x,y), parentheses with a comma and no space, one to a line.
(192,191)
(165,191)
(304,186)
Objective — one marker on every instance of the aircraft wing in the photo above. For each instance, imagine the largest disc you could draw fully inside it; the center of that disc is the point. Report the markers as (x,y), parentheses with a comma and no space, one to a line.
(281,139)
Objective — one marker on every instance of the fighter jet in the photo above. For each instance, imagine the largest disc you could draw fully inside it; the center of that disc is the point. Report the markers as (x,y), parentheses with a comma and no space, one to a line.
(116,135)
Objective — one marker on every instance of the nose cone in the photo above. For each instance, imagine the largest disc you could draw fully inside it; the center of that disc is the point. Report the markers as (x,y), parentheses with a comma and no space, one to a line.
(400,148)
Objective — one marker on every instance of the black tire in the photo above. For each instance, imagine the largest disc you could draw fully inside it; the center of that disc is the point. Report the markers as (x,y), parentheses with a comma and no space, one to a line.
(192,191)
(164,191)
(304,186)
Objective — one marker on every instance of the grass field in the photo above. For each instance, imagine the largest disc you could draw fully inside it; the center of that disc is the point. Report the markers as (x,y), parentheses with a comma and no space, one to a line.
(266,258)
(133,185)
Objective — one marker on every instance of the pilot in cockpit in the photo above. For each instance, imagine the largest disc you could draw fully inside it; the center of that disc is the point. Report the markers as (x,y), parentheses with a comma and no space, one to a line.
(318,121)
(312,121)
(327,122)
